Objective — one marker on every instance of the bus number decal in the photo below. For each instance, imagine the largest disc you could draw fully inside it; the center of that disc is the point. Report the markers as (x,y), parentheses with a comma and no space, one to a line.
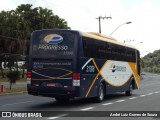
(90,68)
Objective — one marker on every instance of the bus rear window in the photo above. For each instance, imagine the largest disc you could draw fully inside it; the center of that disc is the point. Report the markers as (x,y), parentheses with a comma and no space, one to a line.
(52,44)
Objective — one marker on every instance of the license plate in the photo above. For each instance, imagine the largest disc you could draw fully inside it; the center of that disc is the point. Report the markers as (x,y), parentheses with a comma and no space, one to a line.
(51,84)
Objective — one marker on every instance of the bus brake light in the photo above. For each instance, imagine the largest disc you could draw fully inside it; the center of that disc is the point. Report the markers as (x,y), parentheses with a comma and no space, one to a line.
(76,79)
(29,75)
(76,76)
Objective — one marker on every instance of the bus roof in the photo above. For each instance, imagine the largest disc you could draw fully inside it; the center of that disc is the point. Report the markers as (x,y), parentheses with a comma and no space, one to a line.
(101,37)
(94,35)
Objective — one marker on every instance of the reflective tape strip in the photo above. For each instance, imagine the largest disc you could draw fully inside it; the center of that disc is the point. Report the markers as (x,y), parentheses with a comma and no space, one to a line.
(86,63)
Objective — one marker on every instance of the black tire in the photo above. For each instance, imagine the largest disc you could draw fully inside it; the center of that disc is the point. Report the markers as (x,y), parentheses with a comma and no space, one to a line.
(130,91)
(62,100)
(101,93)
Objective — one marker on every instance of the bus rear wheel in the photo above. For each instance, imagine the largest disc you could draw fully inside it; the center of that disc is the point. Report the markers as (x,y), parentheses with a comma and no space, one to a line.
(101,93)
(130,91)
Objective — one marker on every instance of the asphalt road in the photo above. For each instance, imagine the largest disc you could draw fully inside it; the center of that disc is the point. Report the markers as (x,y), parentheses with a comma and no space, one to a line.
(147,98)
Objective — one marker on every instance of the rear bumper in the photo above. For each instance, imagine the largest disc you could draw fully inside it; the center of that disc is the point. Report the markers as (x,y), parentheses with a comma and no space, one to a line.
(51,91)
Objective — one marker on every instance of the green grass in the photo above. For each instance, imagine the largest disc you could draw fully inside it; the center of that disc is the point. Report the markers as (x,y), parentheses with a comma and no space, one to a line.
(4,71)
(6,79)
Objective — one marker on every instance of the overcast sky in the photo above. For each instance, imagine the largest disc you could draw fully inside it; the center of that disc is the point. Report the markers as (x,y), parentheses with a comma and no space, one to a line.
(81,15)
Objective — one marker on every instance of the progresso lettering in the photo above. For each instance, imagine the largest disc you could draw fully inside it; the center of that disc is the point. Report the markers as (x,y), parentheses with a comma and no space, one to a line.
(52,47)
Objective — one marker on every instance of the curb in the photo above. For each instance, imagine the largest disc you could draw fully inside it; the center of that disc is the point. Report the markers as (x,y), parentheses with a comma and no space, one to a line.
(2,94)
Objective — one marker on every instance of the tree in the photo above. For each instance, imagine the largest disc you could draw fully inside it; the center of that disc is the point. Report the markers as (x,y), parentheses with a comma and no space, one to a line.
(151,62)
(17,25)
(13,76)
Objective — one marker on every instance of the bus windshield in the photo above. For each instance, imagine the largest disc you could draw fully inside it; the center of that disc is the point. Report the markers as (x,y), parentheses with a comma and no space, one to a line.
(52,44)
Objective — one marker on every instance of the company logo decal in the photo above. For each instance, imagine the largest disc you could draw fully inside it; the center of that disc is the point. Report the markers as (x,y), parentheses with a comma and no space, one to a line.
(53,39)
(113,67)
(118,68)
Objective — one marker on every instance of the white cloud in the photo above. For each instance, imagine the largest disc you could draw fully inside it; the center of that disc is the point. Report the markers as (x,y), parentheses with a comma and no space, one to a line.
(7,5)
(146,25)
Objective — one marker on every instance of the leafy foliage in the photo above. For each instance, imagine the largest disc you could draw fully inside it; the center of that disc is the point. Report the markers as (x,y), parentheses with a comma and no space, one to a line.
(151,62)
(17,25)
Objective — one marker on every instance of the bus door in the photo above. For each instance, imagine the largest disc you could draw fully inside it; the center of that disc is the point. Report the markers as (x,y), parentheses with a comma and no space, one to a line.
(138,62)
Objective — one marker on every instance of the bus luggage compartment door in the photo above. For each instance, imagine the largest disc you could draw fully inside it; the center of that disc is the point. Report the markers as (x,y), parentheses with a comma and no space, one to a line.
(52,76)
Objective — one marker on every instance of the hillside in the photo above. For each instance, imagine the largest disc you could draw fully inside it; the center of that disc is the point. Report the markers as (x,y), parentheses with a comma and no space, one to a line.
(151,62)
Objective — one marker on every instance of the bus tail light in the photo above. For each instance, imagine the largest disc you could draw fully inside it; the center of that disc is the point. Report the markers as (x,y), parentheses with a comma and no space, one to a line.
(76,79)
(29,75)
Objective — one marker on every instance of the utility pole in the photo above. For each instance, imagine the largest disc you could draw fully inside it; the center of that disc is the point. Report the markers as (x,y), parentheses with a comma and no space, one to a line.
(99,19)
